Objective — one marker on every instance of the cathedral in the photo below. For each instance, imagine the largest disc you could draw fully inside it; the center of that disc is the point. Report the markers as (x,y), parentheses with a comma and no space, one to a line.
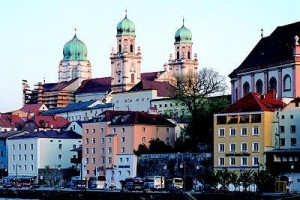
(75,82)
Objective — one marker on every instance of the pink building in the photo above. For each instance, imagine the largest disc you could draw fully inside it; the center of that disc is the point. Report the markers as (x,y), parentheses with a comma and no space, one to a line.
(120,132)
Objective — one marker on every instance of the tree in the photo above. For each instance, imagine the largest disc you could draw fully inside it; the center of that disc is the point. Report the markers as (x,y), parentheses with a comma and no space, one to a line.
(246,178)
(199,94)
(264,181)
(158,146)
(142,149)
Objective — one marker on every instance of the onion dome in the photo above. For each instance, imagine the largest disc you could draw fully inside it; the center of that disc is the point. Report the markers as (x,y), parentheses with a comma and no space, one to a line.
(75,49)
(126,27)
(183,34)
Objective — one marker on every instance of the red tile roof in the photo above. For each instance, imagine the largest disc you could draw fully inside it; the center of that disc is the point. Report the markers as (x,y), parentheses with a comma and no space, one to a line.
(55,122)
(95,85)
(254,102)
(5,121)
(32,108)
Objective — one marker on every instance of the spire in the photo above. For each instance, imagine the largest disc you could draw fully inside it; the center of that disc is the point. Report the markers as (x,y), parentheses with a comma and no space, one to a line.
(75,30)
(183,21)
(262,33)
(126,13)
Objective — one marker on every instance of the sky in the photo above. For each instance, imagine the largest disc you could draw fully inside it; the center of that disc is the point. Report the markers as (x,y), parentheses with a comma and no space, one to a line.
(33,33)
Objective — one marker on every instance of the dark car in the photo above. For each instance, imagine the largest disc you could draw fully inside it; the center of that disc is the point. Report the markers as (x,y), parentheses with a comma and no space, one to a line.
(7,185)
(223,190)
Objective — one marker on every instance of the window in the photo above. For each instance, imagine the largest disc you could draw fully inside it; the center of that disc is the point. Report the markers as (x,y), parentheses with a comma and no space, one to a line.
(87,150)
(87,160)
(293,141)
(123,130)
(101,130)
(232,132)
(31,156)
(25,146)
(31,146)
(94,130)
(93,150)
(74,146)
(168,140)
(273,83)
(20,158)
(59,156)
(103,160)
(244,161)
(94,160)
(282,116)
(232,161)
(255,161)
(109,150)
(246,88)
(259,86)
(132,78)
(282,142)
(109,140)
(221,161)
(255,130)
(292,116)
(13,157)
(221,132)
(114,130)
(255,118)
(19,146)
(60,146)
(293,129)
(287,83)
(221,147)
(109,159)
(86,130)
(255,146)
(143,139)
(244,147)
(94,140)
(232,147)
(86,140)
(14,148)
(127,160)
(168,130)
(102,140)
(221,119)
(131,48)
(244,131)
(143,129)
(31,167)
(120,160)
(244,119)
(297,104)
(122,139)
(102,150)
(281,129)
(122,149)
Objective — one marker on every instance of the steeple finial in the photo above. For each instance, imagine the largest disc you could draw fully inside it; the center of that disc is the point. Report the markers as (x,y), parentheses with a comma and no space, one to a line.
(262,33)
(183,21)
(75,29)
(126,13)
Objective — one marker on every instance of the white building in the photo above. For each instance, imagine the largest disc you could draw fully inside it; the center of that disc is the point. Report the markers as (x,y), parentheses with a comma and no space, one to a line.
(125,168)
(29,153)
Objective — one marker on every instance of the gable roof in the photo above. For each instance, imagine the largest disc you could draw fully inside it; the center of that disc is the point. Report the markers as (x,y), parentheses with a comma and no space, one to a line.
(5,121)
(254,102)
(55,122)
(150,76)
(133,117)
(164,89)
(49,134)
(95,85)
(275,49)
(57,86)
(30,108)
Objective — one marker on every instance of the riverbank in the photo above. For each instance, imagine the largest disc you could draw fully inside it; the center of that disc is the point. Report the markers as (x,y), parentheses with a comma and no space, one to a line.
(117,195)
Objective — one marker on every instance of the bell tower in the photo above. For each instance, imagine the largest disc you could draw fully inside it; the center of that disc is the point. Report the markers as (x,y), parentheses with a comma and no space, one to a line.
(125,62)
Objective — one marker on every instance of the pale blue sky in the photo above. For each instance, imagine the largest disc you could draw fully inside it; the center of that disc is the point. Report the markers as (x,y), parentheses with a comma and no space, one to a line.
(33,33)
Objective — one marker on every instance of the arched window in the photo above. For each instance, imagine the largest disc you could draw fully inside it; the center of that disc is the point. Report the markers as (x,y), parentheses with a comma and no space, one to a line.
(246,88)
(120,48)
(74,73)
(132,78)
(189,55)
(259,86)
(131,48)
(287,83)
(273,83)
(177,55)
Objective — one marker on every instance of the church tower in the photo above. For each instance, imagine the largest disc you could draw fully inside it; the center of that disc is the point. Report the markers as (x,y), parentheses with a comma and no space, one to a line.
(183,63)
(125,62)
(74,64)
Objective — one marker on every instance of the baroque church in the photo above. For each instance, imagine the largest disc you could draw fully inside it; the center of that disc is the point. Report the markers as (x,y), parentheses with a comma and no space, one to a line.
(127,87)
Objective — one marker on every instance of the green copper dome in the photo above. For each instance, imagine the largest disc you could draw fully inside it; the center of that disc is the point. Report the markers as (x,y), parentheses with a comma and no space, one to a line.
(183,35)
(125,27)
(75,49)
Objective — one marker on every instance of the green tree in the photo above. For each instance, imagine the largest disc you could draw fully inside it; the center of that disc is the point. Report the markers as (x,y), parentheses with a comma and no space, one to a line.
(234,179)
(210,177)
(224,177)
(264,181)
(142,149)
(199,93)
(246,178)
(158,146)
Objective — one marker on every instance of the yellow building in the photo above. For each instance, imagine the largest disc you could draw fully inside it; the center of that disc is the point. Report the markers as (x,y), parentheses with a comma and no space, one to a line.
(242,132)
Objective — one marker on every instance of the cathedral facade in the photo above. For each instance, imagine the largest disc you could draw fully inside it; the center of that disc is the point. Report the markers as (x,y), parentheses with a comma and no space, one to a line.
(75,82)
